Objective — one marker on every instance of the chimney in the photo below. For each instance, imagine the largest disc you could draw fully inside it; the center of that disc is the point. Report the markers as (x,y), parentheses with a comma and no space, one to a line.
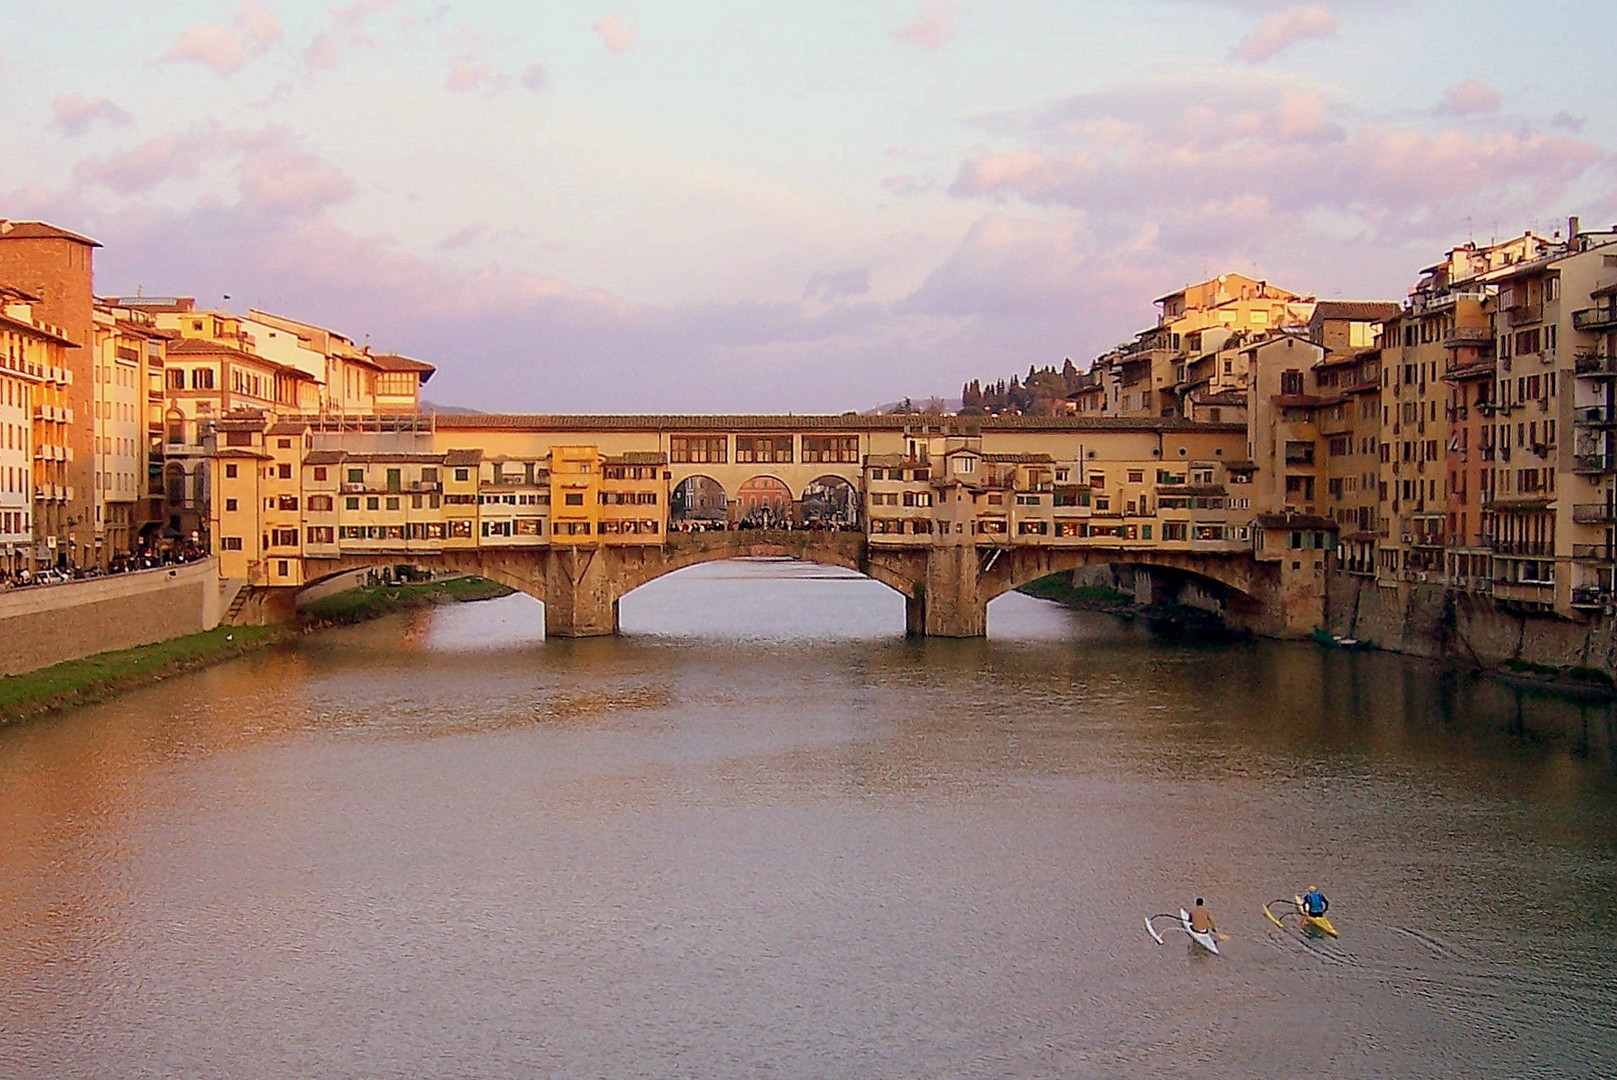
(1572,228)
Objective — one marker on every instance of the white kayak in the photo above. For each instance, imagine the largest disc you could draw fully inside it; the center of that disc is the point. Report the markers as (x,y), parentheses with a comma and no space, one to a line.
(1204,940)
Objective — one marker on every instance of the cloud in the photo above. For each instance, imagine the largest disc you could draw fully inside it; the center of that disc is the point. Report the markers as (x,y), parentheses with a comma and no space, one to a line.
(467,75)
(1470,96)
(222,49)
(144,167)
(346,30)
(1115,155)
(276,175)
(829,288)
(1284,29)
(273,172)
(463,237)
(536,78)
(618,33)
(932,26)
(76,114)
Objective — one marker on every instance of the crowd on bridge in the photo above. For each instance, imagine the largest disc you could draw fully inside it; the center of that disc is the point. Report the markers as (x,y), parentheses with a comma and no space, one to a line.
(143,559)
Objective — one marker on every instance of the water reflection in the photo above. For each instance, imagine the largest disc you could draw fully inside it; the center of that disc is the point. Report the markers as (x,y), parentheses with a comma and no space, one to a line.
(762,832)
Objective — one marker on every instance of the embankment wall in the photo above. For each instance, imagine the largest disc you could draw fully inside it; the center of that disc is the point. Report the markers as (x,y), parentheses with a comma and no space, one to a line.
(1428,620)
(48,624)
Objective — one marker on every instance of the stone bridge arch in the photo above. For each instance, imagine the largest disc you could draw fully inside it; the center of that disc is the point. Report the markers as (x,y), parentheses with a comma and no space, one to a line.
(1246,588)
(847,550)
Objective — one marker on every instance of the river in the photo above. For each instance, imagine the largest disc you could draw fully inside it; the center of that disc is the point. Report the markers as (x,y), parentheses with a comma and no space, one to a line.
(763,834)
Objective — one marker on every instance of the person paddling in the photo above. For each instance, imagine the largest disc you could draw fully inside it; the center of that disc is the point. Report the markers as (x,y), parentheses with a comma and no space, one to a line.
(1314,902)
(1201,920)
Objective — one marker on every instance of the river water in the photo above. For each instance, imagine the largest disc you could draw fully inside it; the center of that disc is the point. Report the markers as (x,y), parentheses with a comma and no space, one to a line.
(762,834)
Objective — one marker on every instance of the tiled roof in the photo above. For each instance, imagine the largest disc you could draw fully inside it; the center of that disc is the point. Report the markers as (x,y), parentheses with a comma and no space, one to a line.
(1357,310)
(1020,459)
(395,362)
(324,457)
(40,230)
(1294,521)
(463,457)
(849,423)
(639,457)
(287,427)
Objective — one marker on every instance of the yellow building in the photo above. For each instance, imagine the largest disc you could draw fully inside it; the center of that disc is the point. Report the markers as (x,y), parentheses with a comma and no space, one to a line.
(38,367)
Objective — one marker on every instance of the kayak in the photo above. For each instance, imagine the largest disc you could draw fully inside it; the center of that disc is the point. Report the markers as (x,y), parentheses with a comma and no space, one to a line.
(1204,940)
(1318,922)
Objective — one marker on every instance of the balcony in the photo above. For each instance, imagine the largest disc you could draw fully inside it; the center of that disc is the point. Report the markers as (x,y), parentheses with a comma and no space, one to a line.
(1594,513)
(1602,317)
(1594,552)
(1527,313)
(1591,597)
(1594,464)
(1467,335)
(1594,363)
(1541,549)
(1595,416)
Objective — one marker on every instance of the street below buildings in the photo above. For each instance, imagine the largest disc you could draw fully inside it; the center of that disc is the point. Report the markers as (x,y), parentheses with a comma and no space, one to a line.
(763,833)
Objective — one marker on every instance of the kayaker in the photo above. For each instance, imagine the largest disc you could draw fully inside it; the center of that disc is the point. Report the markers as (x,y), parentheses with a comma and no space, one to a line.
(1201,920)
(1314,902)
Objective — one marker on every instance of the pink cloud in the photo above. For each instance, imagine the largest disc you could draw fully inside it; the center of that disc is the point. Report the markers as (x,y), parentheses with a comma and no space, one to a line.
(1470,96)
(467,75)
(76,114)
(1284,29)
(222,49)
(536,78)
(141,168)
(932,26)
(276,175)
(347,30)
(1161,156)
(618,33)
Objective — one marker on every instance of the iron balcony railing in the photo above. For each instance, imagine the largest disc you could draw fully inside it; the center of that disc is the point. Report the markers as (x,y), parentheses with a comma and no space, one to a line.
(1590,597)
(1595,415)
(1594,463)
(1595,318)
(1594,552)
(1532,548)
(1594,362)
(1594,513)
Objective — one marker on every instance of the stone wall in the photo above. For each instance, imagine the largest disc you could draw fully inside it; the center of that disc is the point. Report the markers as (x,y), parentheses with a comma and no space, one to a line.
(1430,621)
(47,624)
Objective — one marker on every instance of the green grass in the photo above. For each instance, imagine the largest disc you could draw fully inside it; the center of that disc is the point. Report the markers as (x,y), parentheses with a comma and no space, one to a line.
(1056,587)
(95,678)
(373,601)
(1576,674)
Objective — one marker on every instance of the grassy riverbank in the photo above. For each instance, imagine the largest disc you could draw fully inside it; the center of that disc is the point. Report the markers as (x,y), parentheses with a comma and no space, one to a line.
(374,601)
(1088,597)
(97,678)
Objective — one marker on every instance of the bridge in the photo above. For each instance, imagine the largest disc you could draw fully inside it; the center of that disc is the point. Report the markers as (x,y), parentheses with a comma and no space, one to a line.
(578,511)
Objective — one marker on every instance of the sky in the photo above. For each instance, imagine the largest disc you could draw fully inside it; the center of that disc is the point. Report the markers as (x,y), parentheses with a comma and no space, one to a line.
(717,206)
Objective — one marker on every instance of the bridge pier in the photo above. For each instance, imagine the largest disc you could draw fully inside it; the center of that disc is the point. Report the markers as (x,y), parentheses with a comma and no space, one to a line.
(581,597)
(949,602)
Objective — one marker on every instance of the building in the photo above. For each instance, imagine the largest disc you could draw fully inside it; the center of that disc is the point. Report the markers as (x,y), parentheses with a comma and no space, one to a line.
(55,268)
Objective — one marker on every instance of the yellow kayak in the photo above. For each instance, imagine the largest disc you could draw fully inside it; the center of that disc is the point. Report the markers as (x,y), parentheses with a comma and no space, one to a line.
(1318,922)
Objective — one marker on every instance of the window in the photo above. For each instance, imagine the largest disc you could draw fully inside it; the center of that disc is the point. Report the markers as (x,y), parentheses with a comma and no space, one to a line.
(573,498)
(392,502)
(230,504)
(202,378)
(320,473)
(320,503)
(698,449)
(284,444)
(372,502)
(176,378)
(830,449)
(230,472)
(1291,383)
(462,475)
(356,476)
(283,472)
(230,543)
(351,503)
(763,449)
